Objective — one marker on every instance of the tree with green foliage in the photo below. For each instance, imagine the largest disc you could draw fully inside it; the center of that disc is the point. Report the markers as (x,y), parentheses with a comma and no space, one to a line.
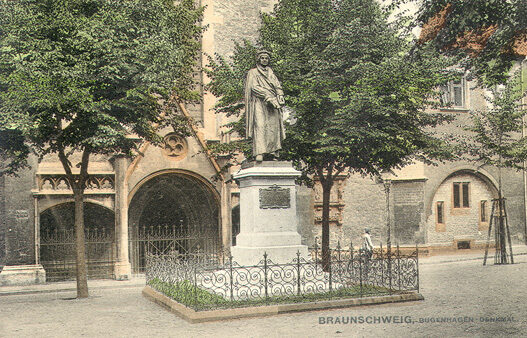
(357,92)
(482,34)
(499,140)
(487,38)
(497,129)
(89,77)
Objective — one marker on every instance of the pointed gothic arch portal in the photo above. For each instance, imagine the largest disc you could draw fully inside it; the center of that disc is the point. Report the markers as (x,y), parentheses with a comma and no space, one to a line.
(173,213)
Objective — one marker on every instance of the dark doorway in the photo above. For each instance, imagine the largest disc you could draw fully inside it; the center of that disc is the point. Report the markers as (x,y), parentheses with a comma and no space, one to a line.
(57,241)
(173,213)
(235,217)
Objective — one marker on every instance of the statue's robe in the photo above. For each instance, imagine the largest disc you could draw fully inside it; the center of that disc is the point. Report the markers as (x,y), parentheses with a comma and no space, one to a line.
(264,123)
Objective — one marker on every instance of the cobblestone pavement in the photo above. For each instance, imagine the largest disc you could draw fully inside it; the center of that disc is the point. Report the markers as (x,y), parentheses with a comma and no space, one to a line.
(452,289)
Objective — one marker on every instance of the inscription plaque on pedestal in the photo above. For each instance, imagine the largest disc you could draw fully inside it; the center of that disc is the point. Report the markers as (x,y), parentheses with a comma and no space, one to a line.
(275,197)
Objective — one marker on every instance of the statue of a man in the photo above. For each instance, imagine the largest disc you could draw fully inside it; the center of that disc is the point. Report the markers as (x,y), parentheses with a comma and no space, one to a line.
(264,100)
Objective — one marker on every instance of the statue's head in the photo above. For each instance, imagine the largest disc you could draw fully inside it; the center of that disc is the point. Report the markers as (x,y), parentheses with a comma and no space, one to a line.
(263,57)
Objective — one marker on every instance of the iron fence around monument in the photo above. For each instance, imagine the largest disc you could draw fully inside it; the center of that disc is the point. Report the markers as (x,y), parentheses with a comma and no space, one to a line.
(220,282)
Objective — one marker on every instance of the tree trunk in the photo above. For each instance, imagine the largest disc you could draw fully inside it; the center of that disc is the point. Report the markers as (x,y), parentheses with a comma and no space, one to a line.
(326,196)
(501,224)
(80,245)
(77,185)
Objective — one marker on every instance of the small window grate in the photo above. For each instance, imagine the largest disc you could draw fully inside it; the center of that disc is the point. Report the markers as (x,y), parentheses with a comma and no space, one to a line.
(463,245)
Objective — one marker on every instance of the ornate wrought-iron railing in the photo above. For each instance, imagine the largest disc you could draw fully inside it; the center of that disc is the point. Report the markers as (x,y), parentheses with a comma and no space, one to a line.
(170,240)
(206,282)
(58,253)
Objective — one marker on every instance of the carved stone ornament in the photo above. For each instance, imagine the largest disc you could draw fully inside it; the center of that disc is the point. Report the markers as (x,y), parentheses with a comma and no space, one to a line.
(59,183)
(175,146)
(336,204)
(275,197)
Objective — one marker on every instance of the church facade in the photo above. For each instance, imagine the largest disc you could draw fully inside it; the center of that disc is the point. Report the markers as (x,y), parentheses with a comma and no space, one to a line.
(173,198)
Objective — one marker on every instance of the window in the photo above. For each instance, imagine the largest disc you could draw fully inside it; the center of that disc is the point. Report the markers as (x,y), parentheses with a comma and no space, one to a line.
(453,95)
(440,212)
(461,195)
(483,215)
(440,216)
(483,211)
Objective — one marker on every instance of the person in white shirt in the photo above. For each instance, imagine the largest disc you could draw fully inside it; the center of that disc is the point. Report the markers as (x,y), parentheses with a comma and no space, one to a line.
(367,245)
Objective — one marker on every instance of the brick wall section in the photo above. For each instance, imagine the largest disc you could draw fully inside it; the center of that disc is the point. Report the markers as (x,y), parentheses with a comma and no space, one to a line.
(408,208)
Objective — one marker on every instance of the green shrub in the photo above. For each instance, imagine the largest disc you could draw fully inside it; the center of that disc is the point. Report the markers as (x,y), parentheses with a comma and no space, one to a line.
(187,294)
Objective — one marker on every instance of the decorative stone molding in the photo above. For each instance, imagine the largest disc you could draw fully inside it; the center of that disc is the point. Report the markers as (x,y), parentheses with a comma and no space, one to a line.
(58,183)
(336,204)
(175,147)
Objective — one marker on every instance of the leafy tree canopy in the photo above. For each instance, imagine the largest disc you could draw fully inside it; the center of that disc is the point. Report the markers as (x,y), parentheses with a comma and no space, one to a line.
(491,32)
(497,131)
(488,36)
(357,93)
(80,75)
(83,76)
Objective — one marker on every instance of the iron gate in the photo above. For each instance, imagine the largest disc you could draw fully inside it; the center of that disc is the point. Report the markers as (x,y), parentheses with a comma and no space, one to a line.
(57,254)
(163,240)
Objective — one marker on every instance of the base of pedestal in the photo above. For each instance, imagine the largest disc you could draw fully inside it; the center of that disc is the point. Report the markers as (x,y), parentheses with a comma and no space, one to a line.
(122,270)
(277,254)
(22,275)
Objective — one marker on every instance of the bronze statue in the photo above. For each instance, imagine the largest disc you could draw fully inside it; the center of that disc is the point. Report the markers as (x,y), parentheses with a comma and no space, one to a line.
(264,100)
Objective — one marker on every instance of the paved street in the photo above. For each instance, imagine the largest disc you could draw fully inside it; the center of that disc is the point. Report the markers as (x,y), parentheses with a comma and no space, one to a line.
(452,289)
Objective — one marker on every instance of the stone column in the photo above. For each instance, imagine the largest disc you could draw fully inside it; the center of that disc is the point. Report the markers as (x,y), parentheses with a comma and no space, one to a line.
(226,221)
(268,220)
(122,267)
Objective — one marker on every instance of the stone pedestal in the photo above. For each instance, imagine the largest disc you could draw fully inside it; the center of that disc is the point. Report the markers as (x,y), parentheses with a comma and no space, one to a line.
(268,221)
(22,275)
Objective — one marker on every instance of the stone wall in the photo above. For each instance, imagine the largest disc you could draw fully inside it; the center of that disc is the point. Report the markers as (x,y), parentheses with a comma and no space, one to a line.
(365,207)
(17,223)
(236,20)
(513,190)
(460,223)
(227,22)
(512,185)
(408,210)
(304,210)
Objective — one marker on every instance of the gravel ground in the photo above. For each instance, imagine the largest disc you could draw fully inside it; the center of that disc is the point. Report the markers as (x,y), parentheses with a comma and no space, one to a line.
(458,289)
